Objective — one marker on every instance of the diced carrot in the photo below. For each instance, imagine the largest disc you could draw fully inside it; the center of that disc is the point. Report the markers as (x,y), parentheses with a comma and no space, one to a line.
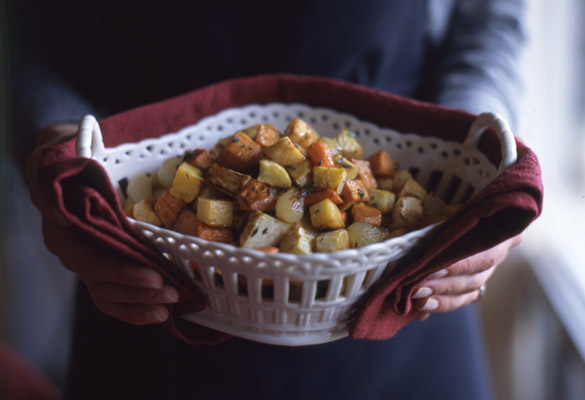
(199,158)
(320,155)
(241,153)
(365,173)
(361,212)
(316,197)
(256,196)
(382,164)
(268,249)
(354,191)
(214,234)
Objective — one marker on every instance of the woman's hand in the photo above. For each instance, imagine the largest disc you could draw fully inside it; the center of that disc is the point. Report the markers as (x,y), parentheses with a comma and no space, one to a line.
(460,284)
(132,293)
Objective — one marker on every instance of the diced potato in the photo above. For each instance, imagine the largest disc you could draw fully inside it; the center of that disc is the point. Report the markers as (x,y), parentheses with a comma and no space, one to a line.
(365,173)
(139,187)
(144,211)
(285,152)
(383,200)
(267,135)
(399,178)
(407,213)
(348,145)
(326,215)
(329,178)
(256,196)
(350,167)
(297,241)
(433,205)
(166,172)
(385,183)
(215,212)
(241,153)
(168,207)
(200,158)
(227,180)
(187,183)
(361,212)
(262,230)
(274,174)
(412,188)
(301,133)
(362,234)
(382,164)
(302,173)
(328,242)
(290,206)
(306,224)
(354,191)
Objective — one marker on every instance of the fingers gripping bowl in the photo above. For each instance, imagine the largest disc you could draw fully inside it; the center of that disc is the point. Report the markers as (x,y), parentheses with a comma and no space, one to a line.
(292,299)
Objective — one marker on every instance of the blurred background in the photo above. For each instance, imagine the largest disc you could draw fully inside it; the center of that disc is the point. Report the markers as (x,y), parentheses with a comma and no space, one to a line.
(534,308)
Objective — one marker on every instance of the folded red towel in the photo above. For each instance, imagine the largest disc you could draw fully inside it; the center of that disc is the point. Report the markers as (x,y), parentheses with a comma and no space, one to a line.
(78,189)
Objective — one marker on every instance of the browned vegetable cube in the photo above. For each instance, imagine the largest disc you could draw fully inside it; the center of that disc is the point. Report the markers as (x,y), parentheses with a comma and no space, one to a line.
(241,153)
(364,213)
(267,135)
(354,191)
(168,208)
(227,180)
(199,158)
(365,173)
(186,223)
(301,133)
(382,164)
(256,196)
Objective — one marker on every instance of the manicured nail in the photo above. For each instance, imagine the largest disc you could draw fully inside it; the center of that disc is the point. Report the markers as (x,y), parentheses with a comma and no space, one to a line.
(422,293)
(431,305)
(439,274)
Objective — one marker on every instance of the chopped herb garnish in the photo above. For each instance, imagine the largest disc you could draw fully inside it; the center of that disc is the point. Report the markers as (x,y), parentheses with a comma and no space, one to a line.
(355,245)
(297,146)
(320,162)
(361,193)
(352,134)
(264,231)
(346,166)
(375,205)
(340,160)
(292,167)
(252,189)
(255,232)
(316,211)
(187,176)
(188,155)
(236,139)
(243,146)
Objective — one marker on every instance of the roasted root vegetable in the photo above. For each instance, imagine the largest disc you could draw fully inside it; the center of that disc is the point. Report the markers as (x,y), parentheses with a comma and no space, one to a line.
(262,230)
(326,215)
(328,242)
(241,153)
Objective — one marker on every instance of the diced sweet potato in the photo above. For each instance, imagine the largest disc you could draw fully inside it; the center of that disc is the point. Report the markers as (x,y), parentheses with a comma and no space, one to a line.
(186,223)
(354,191)
(168,208)
(256,196)
(316,197)
(200,158)
(364,213)
(267,135)
(382,164)
(214,234)
(320,155)
(241,153)
(227,180)
(365,173)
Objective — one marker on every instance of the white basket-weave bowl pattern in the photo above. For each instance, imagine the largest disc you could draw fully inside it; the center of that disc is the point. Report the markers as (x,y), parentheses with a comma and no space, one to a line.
(284,298)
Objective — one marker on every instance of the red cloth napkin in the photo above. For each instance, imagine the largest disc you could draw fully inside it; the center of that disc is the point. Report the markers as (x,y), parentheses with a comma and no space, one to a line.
(80,192)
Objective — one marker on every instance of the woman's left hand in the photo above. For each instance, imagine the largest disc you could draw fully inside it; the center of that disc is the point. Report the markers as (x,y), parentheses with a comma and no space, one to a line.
(461,283)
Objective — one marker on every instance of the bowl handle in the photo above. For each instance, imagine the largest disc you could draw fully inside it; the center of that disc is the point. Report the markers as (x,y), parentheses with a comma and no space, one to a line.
(503,132)
(89,142)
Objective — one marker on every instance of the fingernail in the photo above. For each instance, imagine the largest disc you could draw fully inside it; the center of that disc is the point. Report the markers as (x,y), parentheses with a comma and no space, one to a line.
(439,274)
(167,297)
(431,305)
(422,292)
(423,317)
(155,315)
(148,284)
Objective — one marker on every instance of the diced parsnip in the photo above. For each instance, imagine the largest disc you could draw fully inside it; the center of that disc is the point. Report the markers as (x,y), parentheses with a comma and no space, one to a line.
(256,196)
(227,180)
(365,173)
(382,164)
(290,206)
(285,152)
(361,212)
(297,241)
(186,223)
(320,155)
(326,215)
(240,154)
(267,135)
(306,224)
(362,234)
(302,173)
(351,168)
(166,172)
(331,143)
(383,200)
(407,213)
(399,178)
(215,212)
(139,187)
(385,183)
(144,211)
(200,158)
(316,197)
(168,207)
(328,242)
(301,133)
(354,191)
(348,145)
(262,230)
(274,174)
(187,183)
(412,188)
(329,178)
